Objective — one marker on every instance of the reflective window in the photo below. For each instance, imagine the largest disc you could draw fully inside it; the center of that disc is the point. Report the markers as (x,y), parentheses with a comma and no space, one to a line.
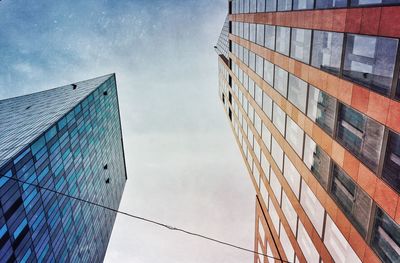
(391,167)
(327,51)
(279,119)
(259,66)
(313,208)
(373,2)
(386,237)
(289,212)
(269,37)
(253,6)
(277,153)
(353,201)
(360,135)
(274,216)
(310,252)
(321,109)
(324,4)
(294,136)
(258,95)
(303,4)
(275,185)
(253,33)
(261,6)
(267,105)
(270,5)
(297,92)
(300,46)
(266,137)
(337,244)
(246,31)
(281,81)
(317,161)
(370,61)
(260,34)
(284,5)
(252,60)
(283,40)
(287,246)
(269,72)
(292,176)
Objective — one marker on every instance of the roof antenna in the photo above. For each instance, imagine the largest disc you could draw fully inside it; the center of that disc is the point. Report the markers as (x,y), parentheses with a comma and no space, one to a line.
(74,86)
(107,180)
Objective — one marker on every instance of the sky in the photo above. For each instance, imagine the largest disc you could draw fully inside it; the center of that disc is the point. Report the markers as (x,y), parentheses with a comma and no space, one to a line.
(184,167)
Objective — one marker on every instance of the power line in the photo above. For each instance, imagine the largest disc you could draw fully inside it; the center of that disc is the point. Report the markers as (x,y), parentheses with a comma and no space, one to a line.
(147,220)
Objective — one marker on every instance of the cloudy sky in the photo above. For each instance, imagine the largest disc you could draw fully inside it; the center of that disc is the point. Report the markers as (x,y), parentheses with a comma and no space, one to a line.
(184,168)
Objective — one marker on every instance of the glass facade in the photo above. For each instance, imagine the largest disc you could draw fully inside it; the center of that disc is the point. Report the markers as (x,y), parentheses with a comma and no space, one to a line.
(80,154)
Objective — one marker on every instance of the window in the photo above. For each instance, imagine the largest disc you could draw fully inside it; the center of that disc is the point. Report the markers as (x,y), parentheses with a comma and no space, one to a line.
(386,237)
(297,93)
(246,31)
(266,137)
(301,43)
(353,201)
(289,212)
(292,176)
(260,34)
(317,161)
(245,56)
(303,4)
(313,208)
(276,186)
(258,95)
(327,51)
(253,6)
(277,153)
(259,66)
(324,4)
(270,5)
(284,5)
(294,136)
(283,40)
(310,252)
(372,2)
(253,33)
(281,81)
(269,72)
(360,135)
(252,61)
(391,167)
(269,37)
(370,61)
(279,119)
(287,246)
(260,6)
(321,109)
(337,244)
(267,105)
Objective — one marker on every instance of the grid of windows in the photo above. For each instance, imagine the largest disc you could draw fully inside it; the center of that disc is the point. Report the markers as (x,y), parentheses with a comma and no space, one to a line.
(70,157)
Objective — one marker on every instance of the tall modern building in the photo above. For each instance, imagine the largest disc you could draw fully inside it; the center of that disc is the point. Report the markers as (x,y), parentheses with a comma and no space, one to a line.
(312,90)
(66,140)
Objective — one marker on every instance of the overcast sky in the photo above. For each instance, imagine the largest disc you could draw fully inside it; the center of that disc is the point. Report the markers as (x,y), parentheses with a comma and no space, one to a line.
(184,167)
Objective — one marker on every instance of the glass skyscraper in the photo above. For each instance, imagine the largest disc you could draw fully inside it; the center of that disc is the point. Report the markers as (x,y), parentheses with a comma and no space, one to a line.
(312,91)
(68,140)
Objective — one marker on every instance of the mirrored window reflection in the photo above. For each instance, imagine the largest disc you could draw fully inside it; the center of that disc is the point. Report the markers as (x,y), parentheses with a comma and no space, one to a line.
(246,6)
(391,167)
(253,33)
(259,66)
(284,5)
(277,153)
(321,109)
(279,118)
(324,4)
(303,4)
(297,92)
(260,34)
(386,237)
(360,135)
(252,60)
(313,208)
(267,105)
(294,136)
(269,37)
(327,51)
(317,161)
(253,6)
(292,176)
(269,72)
(281,81)
(373,2)
(246,31)
(283,40)
(270,5)
(307,246)
(300,46)
(260,6)
(352,200)
(290,212)
(370,61)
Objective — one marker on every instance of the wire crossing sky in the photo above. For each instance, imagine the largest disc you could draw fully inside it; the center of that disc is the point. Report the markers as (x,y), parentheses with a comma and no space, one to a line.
(183,166)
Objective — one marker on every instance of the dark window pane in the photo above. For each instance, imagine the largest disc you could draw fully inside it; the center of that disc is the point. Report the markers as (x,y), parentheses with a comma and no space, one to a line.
(303,4)
(360,135)
(317,161)
(297,93)
(283,40)
(372,2)
(386,237)
(370,61)
(301,43)
(353,201)
(284,5)
(327,51)
(391,167)
(321,109)
(323,4)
